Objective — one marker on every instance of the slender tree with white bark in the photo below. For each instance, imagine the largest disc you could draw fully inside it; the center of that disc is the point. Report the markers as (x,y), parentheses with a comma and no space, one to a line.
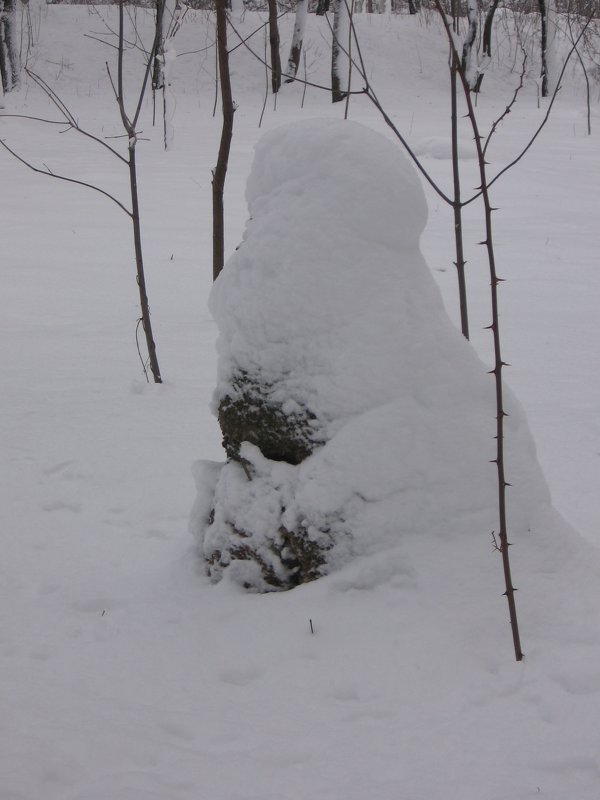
(297,40)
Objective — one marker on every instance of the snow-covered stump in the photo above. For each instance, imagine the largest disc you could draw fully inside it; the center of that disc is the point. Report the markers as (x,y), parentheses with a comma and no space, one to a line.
(352,411)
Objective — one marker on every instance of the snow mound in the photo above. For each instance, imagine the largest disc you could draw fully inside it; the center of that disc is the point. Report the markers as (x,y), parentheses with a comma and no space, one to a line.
(329,305)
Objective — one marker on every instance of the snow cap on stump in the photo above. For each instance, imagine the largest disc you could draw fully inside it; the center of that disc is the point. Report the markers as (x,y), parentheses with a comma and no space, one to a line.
(352,410)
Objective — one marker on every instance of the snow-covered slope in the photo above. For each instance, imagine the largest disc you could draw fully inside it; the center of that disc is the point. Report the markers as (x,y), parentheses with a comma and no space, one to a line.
(124,674)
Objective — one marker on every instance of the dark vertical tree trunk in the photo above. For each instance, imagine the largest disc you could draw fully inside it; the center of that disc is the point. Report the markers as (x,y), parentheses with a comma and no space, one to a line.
(139,263)
(502,544)
(220,171)
(457,205)
(455,68)
(129,126)
(274,42)
(5,71)
(10,66)
(158,70)
(486,43)
(543,5)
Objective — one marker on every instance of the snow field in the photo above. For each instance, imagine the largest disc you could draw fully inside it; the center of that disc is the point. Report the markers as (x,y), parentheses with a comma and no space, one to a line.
(124,674)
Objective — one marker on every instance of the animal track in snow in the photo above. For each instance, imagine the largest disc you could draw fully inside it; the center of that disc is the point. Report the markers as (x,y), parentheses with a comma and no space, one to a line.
(588,683)
(178,730)
(62,505)
(240,676)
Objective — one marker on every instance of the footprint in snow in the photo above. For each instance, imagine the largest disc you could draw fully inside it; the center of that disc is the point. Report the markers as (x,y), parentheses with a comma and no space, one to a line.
(62,505)
(588,683)
(178,730)
(240,676)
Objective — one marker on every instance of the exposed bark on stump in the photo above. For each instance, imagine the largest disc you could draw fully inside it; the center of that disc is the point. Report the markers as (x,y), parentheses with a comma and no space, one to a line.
(252,416)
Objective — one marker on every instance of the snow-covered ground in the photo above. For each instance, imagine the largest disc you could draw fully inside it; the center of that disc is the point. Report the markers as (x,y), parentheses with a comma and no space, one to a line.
(126,675)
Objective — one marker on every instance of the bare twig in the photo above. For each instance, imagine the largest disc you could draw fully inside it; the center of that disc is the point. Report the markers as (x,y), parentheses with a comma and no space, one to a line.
(48,172)
(250,35)
(544,121)
(510,105)
(369,92)
(36,119)
(102,41)
(264,62)
(262,113)
(137,343)
(60,105)
(220,170)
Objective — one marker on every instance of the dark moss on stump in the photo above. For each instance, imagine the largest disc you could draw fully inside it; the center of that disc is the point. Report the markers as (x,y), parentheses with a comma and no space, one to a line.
(251,415)
(300,559)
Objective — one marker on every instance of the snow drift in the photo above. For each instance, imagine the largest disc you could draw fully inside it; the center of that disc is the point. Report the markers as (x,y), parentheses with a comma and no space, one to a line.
(329,308)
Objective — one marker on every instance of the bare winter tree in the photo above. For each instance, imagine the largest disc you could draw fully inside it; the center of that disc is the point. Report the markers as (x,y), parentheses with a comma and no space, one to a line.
(158,68)
(483,194)
(220,171)
(297,40)
(274,42)
(10,62)
(473,63)
(486,41)
(457,207)
(547,37)
(129,122)
(168,20)
(340,59)
(469,50)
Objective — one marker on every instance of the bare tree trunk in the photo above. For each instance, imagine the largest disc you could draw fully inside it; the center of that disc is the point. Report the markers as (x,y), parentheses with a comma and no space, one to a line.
(543,5)
(469,54)
(297,40)
(486,44)
(220,171)
(10,62)
(130,128)
(274,42)
(158,70)
(340,63)
(457,204)
(503,544)
(168,20)
(139,263)
(5,70)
